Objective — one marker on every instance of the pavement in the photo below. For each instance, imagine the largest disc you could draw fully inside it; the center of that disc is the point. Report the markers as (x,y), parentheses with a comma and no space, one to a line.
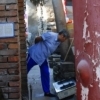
(35,88)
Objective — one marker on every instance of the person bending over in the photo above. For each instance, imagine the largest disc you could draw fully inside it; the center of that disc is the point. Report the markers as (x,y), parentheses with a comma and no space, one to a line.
(38,53)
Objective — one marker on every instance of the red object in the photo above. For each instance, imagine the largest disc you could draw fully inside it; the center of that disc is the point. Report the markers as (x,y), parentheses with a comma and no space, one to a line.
(84,73)
(87,42)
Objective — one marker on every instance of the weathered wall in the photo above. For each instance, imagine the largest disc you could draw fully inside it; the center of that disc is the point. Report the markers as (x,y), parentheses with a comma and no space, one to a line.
(87,48)
(13,51)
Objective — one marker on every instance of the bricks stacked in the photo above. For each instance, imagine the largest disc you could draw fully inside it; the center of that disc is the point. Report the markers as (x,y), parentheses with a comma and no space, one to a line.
(22,39)
(13,51)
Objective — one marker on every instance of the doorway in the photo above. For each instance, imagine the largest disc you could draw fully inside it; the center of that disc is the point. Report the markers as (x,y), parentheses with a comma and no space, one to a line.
(34,80)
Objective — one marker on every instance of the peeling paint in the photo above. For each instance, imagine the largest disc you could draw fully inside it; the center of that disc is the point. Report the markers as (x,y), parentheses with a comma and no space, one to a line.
(88,34)
(91,85)
(86,1)
(98,49)
(85,24)
(84,92)
(94,61)
(97,34)
(77,53)
(94,70)
(87,14)
(93,50)
(98,74)
(88,41)
(84,29)
(98,44)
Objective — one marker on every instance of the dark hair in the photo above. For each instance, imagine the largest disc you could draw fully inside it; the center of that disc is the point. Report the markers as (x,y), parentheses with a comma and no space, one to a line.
(65,33)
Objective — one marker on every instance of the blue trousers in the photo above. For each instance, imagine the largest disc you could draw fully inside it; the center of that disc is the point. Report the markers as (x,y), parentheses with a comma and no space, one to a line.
(44,70)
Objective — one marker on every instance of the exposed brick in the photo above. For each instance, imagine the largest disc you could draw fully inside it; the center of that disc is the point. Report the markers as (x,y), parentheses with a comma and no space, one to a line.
(3,71)
(3,59)
(24,78)
(23,46)
(12,7)
(22,34)
(3,78)
(21,1)
(5,90)
(23,63)
(21,8)
(23,54)
(23,86)
(23,42)
(3,19)
(13,46)
(3,46)
(3,84)
(21,12)
(9,65)
(21,21)
(5,96)
(22,30)
(14,95)
(8,52)
(13,78)
(21,18)
(24,71)
(15,39)
(23,59)
(13,71)
(21,4)
(2,7)
(8,13)
(16,26)
(7,1)
(14,84)
(16,33)
(22,25)
(14,89)
(23,38)
(12,19)
(13,11)
(23,67)
(13,58)
(23,51)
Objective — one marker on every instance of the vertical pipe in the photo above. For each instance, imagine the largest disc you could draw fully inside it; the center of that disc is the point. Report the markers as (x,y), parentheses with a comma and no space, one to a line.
(87,48)
(60,23)
(59,14)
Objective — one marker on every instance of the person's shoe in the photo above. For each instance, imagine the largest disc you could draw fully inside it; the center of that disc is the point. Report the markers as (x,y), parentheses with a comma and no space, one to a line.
(49,95)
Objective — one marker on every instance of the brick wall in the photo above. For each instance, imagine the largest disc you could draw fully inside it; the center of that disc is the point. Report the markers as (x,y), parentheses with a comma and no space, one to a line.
(13,52)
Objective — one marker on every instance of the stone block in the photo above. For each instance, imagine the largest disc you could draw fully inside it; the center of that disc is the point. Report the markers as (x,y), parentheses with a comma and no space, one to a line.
(14,84)
(2,7)
(14,95)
